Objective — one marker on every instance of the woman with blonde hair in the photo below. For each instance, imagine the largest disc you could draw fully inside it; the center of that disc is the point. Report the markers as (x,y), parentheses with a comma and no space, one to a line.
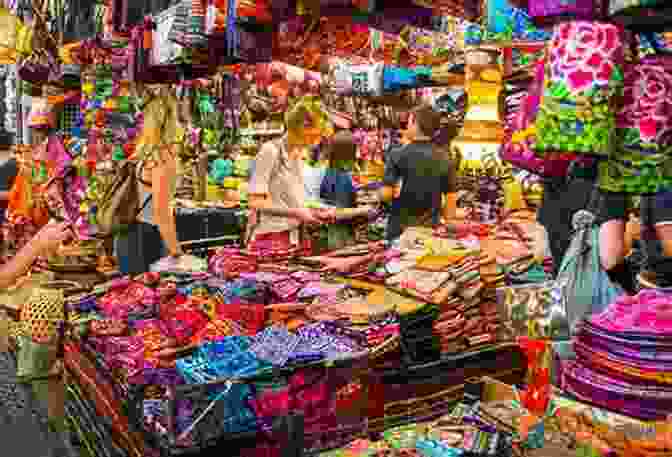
(276,191)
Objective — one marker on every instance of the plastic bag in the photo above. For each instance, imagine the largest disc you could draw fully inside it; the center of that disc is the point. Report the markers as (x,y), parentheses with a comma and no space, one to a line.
(588,289)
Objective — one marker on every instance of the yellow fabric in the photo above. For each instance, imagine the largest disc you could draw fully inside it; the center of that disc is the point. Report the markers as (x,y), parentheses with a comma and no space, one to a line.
(513,196)
(15,38)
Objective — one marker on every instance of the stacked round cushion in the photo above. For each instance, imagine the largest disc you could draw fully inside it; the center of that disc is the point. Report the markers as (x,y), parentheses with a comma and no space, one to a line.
(624,357)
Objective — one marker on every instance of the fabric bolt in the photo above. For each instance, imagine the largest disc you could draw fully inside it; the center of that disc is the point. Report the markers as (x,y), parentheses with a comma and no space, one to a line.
(584,74)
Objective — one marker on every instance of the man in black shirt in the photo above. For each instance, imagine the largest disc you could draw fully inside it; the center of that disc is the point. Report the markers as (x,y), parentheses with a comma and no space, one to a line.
(418,175)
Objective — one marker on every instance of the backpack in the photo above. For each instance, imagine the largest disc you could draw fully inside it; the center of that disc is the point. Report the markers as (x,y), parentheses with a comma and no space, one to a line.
(119,204)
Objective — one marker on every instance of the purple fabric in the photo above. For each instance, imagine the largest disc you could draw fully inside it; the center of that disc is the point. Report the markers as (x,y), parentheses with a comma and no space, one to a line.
(640,401)
(578,9)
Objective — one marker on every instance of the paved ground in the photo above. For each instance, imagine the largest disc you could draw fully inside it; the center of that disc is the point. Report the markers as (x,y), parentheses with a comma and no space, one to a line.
(23,426)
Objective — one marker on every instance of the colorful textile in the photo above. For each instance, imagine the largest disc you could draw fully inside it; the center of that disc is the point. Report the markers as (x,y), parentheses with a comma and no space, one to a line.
(517,149)
(580,9)
(642,162)
(642,401)
(584,73)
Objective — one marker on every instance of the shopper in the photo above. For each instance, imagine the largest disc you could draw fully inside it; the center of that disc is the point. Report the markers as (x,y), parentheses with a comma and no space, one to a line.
(337,188)
(155,233)
(417,176)
(23,418)
(562,198)
(654,234)
(276,192)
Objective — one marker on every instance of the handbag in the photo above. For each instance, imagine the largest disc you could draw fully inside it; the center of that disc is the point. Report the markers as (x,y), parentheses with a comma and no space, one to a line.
(517,149)
(42,319)
(536,311)
(587,287)
(584,76)
(119,204)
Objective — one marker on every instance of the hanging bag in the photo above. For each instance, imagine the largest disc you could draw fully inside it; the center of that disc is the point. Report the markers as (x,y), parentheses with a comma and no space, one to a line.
(587,286)
(584,78)
(119,205)
(517,149)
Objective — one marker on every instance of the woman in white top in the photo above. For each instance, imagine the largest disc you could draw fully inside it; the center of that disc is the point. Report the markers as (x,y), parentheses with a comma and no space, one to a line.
(276,191)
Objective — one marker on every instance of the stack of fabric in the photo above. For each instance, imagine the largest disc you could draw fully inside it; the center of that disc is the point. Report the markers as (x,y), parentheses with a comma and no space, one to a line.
(418,339)
(445,273)
(624,357)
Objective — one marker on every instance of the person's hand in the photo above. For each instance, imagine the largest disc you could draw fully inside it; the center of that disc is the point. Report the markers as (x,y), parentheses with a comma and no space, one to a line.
(51,236)
(326,215)
(306,216)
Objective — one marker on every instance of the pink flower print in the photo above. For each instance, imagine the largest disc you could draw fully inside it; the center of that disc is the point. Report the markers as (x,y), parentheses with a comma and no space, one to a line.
(584,53)
(647,129)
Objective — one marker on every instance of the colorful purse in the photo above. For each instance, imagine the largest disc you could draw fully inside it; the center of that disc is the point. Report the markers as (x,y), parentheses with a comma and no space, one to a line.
(642,160)
(534,311)
(517,149)
(584,75)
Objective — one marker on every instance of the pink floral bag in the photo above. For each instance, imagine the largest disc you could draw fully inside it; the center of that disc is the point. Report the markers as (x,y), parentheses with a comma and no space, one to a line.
(517,148)
(647,109)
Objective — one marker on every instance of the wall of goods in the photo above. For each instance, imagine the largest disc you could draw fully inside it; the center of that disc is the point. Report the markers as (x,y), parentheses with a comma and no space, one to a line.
(406,350)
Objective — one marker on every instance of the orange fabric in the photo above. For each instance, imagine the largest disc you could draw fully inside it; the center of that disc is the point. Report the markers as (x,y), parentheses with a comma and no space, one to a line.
(19,197)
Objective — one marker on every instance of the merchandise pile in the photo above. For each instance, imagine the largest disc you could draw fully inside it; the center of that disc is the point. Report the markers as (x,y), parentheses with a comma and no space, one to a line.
(623,359)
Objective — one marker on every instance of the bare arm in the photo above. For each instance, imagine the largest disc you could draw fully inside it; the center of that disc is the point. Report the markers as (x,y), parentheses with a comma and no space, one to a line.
(4,196)
(164,175)
(48,238)
(19,265)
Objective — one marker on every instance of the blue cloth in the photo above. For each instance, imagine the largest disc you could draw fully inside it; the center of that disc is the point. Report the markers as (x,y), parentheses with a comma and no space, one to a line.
(337,189)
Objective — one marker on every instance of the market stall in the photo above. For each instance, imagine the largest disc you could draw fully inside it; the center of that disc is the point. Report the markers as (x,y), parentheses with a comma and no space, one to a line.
(340,342)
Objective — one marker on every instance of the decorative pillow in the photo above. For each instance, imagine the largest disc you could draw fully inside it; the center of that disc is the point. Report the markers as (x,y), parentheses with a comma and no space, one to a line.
(584,74)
